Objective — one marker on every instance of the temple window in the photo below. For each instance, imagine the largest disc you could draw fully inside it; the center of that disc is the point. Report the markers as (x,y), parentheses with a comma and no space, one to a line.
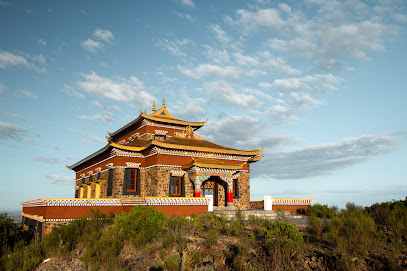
(109,183)
(236,188)
(131,184)
(177,187)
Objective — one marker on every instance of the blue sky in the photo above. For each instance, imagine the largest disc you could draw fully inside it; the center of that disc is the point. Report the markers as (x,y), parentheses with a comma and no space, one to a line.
(321,85)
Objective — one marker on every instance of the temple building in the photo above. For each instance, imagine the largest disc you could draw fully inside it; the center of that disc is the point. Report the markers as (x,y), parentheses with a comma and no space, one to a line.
(157,155)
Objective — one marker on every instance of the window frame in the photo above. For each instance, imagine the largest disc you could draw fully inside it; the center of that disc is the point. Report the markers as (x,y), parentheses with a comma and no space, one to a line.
(181,184)
(236,189)
(135,191)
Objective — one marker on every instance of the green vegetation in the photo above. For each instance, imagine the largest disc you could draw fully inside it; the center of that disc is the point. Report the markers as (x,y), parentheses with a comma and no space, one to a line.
(356,238)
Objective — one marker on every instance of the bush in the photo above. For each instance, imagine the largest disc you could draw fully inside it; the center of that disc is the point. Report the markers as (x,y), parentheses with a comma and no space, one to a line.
(9,232)
(211,237)
(22,257)
(284,242)
(141,225)
(321,211)
(353,231)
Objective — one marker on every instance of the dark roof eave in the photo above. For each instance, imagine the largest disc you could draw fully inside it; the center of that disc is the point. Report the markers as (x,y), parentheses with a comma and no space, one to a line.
(89,157)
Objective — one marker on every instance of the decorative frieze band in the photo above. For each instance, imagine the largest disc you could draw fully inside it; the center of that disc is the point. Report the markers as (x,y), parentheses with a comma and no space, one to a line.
(118,201)
(160,132)
(133,165)
(287,201)
(177,173)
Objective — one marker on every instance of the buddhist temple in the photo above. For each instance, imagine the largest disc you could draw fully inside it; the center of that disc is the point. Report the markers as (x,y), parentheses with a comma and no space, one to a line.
(159,161)
(157,155)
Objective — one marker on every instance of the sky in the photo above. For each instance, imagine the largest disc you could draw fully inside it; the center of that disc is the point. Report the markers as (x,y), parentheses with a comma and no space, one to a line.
(320,85)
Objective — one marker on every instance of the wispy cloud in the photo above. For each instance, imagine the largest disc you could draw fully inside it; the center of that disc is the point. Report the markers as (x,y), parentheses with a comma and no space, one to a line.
(42,43)
(98,140)
(16,116)
(8,59)
(70,91)
(123,90)
(100,39)
(21,93)
(5,4)
(105,106)
(106,117)
(188,3)
(174,47)
(187,17)
(11,131)
(60,179)
(47,160)
(324,159)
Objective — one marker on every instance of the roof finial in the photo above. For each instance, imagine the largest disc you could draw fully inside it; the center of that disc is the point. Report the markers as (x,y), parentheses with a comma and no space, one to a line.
(145,111)
(153,106)
(163,103)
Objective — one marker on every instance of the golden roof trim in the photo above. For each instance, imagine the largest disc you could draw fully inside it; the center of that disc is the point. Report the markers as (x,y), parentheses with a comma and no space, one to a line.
(129,148)
(174,121)
(212,165)
(205,149)
(256,158)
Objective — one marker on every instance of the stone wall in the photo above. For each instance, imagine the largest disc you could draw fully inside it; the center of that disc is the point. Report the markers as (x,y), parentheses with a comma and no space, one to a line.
(243,202)
(257,204)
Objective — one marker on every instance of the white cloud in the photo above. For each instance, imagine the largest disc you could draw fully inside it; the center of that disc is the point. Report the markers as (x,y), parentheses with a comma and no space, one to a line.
(101,38)
(174,47)
(186,16)
(250,21)
(16,116)
(237,128)
(5,4)
(11,131)
(93,46)
(10,59)
(130,90)
(105,106)
(60,179)
(47,160)
(205,70)
(40,59)
(325,159)
(98,140)
(70,91)
(106,117)
(221,35)
(190,109)
(103,35)
(42,42)
(224,92)
(21,93)
(188,3)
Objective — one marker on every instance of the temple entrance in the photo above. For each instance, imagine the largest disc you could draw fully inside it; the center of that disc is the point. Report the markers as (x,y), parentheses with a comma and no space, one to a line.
(216,188)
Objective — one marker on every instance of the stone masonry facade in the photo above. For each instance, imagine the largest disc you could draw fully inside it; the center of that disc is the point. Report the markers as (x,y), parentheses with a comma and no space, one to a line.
(154,182)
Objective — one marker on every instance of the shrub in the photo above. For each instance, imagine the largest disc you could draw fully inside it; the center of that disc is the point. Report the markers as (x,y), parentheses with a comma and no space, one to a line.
(211,237)
(9,232)
(141,225)
(22,257)
(353,231)
(315,226)
(321,211)
(284,242)
(173,262)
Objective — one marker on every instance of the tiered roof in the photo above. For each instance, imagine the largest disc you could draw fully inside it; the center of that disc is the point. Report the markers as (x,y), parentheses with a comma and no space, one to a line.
(185,141)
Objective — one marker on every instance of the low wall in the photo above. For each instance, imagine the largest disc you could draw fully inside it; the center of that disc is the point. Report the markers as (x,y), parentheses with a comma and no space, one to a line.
(284,204)
(257,204)
(42,215)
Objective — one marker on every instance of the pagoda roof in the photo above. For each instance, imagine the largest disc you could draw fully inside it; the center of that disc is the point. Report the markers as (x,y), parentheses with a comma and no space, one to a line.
(163,116)
(184,144)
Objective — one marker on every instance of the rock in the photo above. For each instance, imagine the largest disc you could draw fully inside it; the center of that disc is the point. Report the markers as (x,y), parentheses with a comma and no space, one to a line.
(314,259)
(208,259)
(312,264)
(354,259)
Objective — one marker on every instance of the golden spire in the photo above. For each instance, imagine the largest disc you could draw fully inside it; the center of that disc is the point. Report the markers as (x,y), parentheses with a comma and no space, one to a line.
(153,106)
(145,111)
(141,112)
(163,103)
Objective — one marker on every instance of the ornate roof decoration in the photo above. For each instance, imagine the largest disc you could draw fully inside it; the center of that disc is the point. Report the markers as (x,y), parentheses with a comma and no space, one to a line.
(212,163)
